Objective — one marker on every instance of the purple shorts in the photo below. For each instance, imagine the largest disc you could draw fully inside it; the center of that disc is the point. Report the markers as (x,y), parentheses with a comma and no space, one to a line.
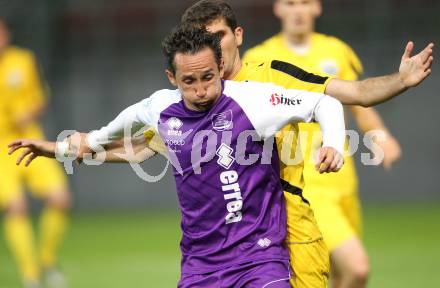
(274,274)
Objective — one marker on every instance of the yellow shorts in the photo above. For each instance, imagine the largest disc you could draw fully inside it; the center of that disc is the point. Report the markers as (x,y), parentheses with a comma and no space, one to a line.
(42,177)
(310,263)
(309,255)
(338,216)
(301,223)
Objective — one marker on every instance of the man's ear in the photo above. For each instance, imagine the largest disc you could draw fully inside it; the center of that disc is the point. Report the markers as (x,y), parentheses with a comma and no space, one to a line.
(317,8)
(171,77)
(238,32)
(276,8)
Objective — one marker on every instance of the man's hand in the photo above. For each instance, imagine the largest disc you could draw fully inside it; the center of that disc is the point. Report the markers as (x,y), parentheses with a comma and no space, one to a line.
(391,150)
(372,91)
(33,149)
(413,70)
(329,160)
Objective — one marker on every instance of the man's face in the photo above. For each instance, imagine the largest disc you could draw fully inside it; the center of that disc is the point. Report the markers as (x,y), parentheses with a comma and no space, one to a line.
(198,78)
(4,36)
(297,16)
(230,41)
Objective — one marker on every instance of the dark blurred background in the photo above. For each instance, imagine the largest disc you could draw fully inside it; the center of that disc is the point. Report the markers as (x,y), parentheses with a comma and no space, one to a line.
(103,55)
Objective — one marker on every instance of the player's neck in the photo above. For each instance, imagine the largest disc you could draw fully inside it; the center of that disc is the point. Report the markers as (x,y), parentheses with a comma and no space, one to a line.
(299,43)
(229,75)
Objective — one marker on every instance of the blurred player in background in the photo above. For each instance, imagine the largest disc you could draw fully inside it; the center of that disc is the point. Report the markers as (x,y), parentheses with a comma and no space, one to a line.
(22,101)
(334,198)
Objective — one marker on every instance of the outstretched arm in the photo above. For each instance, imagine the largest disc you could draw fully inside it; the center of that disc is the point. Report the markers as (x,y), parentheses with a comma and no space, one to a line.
(371,91)
(127,124)
(131,150)
(116,152)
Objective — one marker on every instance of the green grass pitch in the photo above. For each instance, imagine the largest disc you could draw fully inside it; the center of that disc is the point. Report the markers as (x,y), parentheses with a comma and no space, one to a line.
(141,249)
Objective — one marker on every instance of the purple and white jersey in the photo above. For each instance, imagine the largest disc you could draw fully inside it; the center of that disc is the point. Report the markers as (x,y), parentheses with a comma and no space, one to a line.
(226,166)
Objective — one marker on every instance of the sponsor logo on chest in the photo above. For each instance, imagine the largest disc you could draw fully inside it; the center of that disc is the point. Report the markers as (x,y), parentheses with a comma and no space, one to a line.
(14,79)
(175,137)
(279,99)
(329,67)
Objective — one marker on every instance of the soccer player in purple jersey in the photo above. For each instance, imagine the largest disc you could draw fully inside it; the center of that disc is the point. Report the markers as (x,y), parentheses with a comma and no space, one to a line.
(219,137)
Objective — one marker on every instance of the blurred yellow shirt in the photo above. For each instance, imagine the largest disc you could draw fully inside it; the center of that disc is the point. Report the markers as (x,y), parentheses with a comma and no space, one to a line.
(20,90)
(326,55)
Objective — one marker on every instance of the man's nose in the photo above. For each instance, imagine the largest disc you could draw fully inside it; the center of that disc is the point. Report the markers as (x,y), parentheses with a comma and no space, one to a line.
(200,91)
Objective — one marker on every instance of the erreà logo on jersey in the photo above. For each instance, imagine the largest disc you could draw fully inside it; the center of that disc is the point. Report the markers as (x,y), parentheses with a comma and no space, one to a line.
(174,124)
(279,99)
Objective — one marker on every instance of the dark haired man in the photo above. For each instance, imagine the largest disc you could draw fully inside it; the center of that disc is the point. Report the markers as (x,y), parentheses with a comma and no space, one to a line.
(218,137)
(309,254)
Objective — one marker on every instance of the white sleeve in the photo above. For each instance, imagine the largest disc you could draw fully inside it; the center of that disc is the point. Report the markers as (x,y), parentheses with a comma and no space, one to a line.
(329,113)
(127,123)
(270,107)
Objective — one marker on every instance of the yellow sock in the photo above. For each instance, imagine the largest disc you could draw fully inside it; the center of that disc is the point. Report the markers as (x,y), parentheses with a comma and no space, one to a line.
(20,239)
(53,224)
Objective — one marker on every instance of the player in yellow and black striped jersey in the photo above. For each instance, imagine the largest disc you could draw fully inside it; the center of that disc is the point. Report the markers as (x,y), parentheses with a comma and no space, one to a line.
(22,99)
(334,197)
